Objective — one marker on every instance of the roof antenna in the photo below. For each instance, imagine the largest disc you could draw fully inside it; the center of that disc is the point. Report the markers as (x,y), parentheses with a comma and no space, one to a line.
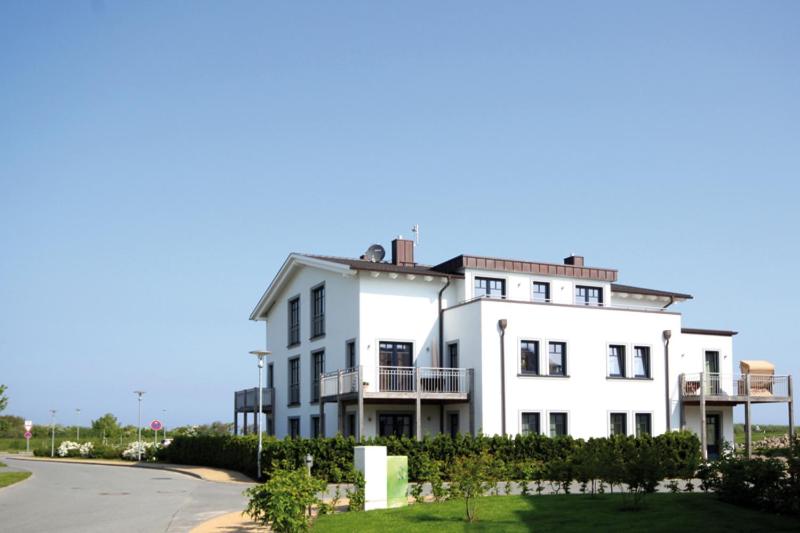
(415,231)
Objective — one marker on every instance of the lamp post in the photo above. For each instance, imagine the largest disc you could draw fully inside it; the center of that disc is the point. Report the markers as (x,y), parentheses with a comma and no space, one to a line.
(139,424)
(260,356)
(309,463)
(78,425)
(53,433)
(163,423)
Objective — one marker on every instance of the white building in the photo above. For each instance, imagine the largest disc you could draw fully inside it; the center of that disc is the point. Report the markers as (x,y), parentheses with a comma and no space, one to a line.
(498,346)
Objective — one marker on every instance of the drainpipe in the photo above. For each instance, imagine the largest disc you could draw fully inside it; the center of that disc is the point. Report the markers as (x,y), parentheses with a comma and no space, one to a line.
(441,324)
(502,323)
(667,335)
(671,301)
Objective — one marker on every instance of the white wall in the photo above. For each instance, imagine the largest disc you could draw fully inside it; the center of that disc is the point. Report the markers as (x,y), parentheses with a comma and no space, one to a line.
(587,395)
(341,324)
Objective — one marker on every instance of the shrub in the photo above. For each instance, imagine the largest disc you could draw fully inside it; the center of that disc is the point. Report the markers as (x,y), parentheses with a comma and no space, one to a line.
(149,451)
(284,501)
(357,496)
(472,477)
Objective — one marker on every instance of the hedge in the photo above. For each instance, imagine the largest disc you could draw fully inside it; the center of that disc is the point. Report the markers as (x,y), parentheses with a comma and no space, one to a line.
(333,457)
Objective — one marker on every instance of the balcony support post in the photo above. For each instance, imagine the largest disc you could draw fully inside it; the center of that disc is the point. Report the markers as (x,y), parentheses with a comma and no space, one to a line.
(471,392)
(321,413)
(419,403)
(235,416)
(273,408)
(748,423)
(791,406)
(681,393)
(360,433)
(703,432)
(245,419)
(339,410)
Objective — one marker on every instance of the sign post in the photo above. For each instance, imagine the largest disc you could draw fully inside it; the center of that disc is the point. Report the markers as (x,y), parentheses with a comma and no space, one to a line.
(155,425)
(28,435)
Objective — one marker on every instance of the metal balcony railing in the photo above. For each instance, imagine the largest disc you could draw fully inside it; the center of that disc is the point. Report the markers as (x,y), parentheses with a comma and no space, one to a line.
(400,379)
(247,399)
(715,384)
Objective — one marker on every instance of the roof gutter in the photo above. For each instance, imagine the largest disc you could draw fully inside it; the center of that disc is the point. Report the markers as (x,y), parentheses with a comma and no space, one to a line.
(441,323)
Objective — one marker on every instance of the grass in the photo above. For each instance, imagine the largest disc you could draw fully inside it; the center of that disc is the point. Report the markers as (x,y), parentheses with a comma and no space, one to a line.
(9,478)
(2,464)
(661,512)
(765,431)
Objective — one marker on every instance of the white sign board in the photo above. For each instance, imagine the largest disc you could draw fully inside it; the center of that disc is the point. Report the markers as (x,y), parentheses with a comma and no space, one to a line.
(28,425)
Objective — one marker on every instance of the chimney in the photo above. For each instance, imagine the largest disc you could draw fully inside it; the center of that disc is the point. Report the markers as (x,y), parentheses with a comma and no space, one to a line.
(403,252)
(574,260)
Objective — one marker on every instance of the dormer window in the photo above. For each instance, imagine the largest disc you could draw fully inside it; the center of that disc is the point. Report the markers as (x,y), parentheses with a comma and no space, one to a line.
(588,295)
(490,288)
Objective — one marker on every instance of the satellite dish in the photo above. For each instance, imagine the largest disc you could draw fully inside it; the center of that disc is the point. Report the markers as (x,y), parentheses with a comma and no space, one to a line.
(375,253)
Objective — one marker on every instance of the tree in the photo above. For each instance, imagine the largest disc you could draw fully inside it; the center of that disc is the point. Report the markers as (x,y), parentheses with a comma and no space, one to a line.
(107,423)
(3,398)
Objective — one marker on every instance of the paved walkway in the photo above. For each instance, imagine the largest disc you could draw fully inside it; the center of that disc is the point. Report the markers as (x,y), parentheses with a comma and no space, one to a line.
(89,498)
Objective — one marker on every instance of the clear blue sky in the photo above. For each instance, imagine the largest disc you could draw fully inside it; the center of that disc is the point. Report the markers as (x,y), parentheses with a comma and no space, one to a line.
(158,161)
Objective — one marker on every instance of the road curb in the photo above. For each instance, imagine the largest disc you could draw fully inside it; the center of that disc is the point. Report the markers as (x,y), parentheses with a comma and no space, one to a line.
(18,483)
(202,473)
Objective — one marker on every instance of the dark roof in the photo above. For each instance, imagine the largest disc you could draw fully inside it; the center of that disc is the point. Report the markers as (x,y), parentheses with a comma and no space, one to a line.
(649,292)
(361,264)
(460,262)
(717,332)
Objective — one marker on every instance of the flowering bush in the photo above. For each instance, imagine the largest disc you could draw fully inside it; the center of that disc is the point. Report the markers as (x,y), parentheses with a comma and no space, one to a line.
(73,449)
(148,451)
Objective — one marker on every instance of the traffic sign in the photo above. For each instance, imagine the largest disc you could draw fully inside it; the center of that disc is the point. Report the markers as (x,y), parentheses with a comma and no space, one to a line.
(28,425)
(28,434)
(156,425)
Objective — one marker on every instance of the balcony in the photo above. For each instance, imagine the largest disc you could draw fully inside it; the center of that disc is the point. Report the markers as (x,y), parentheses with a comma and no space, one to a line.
(398,383)
(247,400)
(713,387)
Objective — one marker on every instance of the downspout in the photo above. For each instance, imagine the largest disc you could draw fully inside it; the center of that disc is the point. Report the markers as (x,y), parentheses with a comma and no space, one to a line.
(502,323)
(667,334)
(671,301)
(441,324)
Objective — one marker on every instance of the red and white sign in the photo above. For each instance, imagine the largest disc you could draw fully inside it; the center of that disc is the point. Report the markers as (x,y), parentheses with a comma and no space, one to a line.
(156,425)
(28,425)
(28,435)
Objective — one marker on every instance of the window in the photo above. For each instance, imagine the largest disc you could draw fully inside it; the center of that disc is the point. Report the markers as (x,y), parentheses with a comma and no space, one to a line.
(616,361)
(395,354)
(317,368)
(558,358)
(541,291)
(270,376)
(588,295)
(294,321)
(490,287)
(294,427)
(315,426)
(558,424)
(453,424)
(350,425)
(644,422)
(530,423)
(394,424)
(452,355)
(618,424)
(529,357)
(294,381)
(350,349)
(318,311)
(641,362)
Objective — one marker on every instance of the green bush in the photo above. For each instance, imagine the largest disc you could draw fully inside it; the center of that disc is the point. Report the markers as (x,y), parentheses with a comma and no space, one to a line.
(472,476)
(596,459)
(284,502)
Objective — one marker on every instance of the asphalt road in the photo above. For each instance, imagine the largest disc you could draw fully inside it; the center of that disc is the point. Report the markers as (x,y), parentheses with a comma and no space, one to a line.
(67,497)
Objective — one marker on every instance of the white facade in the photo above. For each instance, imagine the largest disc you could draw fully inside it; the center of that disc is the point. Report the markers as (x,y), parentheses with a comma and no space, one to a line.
(399,302)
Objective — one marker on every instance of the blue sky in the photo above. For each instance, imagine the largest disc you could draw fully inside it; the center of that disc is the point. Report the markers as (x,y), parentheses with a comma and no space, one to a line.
(158,161)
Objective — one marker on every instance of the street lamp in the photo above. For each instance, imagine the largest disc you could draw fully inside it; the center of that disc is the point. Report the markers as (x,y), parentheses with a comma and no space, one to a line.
(163,423)
(78,426)
(139,444)
(260,356)
(53,433)
(309,463)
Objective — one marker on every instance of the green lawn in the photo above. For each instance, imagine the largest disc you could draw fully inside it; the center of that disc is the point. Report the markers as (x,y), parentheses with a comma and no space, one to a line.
(2,464)
(764,430)
(661,512)
(9,478)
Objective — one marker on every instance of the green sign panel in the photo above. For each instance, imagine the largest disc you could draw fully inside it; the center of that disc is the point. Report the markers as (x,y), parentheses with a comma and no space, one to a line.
(396,480)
